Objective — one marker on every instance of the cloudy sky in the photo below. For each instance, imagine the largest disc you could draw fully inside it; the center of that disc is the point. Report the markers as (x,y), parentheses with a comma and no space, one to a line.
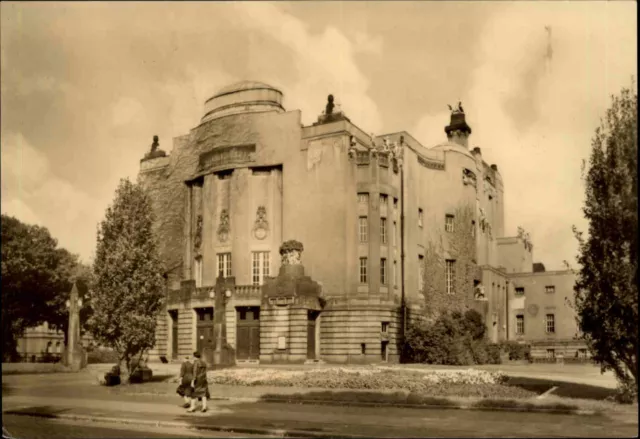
(86,86)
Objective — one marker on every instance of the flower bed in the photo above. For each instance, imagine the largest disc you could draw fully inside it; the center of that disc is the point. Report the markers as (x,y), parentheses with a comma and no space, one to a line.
(432,382)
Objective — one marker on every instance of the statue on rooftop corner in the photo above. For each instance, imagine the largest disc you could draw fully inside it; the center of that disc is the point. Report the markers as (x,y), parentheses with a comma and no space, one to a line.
(155,151)
(155,144)
(291,251)
(456,110)
(330,105)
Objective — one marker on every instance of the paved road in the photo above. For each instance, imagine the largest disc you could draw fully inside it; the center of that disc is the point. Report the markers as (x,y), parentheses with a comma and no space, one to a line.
(27,427)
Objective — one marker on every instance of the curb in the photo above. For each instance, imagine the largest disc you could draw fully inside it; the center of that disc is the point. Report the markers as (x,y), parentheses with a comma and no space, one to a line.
(185,425)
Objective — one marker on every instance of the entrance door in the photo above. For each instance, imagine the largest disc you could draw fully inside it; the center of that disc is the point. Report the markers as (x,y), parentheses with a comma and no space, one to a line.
(248,333)
(312,318)
(206,343)
(174,333)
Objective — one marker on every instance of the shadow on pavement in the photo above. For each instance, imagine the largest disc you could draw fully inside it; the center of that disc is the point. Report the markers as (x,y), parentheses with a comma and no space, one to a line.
(43,411)
(564,389)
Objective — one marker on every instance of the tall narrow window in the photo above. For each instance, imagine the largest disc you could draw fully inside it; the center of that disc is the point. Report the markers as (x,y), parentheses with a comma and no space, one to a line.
(363,270)
(394,234)
(383,230)
(420,272)
(197,275)
(363,228)
(259,267)
(551,323)
(395,274)
(448,223)
(450,270)
(520,324)
(473,229)
(383,200)
(420,217)
(395,205)
(224,264)
(383,271)
(363,198)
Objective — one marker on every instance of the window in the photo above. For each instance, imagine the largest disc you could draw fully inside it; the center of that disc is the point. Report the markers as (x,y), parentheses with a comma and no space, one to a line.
(363,198)
(197,275)
(519,324)
(259,267)
(551,354)
(395,204)
(383,230)
(383,200)
(395,274)
(420,272)
(420,217)
(224,264)
(551,323)
(449,274)
(550,289)
(582,353)
(363,270)
(394,233)
(363,228)
(363,348)
(384,327)
(383,271)
(448,223)
(519,291)
(473,229)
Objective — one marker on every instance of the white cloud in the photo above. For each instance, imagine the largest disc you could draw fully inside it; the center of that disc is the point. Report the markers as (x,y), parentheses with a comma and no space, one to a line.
(34,194)
(534,118)
(126,111)
(325,63)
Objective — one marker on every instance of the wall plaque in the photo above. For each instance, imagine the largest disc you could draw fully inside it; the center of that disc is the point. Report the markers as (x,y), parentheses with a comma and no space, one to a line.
(226,156)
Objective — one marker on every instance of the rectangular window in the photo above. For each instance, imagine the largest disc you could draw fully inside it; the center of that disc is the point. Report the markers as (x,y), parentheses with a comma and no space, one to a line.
(259,267)
(551,323)
(363,228)
(395,274)
(420,272)
(550,289)
(198,272)
(383,271)
(383,230)
(395,204)
(384,327)
(420,217)
(448,223)
(363,198)
(450,271)
(363,270)
(551,354)
(519,291)
(383,200)
(224,264)
(473,229)
(519,324)
(394,234)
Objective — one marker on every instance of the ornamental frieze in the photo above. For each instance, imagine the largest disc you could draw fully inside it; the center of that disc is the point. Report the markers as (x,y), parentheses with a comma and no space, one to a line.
(224,227)
(431,164)
(226,156)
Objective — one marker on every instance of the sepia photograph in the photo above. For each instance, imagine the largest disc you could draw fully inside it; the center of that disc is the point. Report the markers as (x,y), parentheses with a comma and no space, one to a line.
(319,219)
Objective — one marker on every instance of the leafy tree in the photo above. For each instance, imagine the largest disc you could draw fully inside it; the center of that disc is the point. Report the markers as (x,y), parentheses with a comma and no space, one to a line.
(606,290)
(31,279)
(128,290)
(458,245)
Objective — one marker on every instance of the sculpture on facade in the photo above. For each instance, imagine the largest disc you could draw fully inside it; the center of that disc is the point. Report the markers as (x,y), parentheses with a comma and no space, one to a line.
(261,226)
(352,147)
(198,238)
(223,228)
(479,293)
(291,252)
(457,110)
(155,151)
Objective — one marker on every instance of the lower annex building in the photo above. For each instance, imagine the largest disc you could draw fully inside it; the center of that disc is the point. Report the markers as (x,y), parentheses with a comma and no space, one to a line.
(251,176)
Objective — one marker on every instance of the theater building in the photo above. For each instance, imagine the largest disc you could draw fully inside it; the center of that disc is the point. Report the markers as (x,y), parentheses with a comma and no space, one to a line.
(250,176)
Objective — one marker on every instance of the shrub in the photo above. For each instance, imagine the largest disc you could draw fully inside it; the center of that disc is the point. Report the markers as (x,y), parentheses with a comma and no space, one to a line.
(493,353)
(517,351)
(100,356)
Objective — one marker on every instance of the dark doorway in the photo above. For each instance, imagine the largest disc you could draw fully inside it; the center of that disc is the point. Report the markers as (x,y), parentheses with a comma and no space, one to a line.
(206,343)
(248,333)
(383,350)
(174,333)
(312,318)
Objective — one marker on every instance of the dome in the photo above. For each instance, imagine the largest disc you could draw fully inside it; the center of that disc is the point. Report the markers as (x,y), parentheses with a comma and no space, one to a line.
(243,97)
(451,146)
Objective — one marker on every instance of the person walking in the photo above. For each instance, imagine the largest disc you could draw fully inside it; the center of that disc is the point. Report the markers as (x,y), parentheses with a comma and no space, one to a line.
(186,377)
(200,384)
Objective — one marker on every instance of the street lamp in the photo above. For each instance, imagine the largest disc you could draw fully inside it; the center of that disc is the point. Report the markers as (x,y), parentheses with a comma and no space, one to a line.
(221,305)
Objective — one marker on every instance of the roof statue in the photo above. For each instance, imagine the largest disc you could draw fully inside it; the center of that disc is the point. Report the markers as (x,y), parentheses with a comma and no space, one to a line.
(155,150)
(329,108)
(457,110)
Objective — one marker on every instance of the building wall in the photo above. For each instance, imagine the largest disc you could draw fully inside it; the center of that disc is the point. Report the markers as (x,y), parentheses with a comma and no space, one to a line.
(514,255)
(536,303)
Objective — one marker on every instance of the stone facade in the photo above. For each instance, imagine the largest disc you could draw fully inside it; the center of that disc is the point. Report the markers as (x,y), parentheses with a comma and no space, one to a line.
(250,176)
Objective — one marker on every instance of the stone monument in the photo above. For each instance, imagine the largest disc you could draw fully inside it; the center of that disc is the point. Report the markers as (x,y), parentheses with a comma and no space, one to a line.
(75,355)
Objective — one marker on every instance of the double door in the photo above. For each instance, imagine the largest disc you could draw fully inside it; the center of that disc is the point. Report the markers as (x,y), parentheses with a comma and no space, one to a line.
(206,342)
(248,333)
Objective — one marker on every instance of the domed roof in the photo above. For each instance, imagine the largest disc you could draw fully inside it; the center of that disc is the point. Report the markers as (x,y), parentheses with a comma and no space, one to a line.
(243,97)
(244,85)
(451,146)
